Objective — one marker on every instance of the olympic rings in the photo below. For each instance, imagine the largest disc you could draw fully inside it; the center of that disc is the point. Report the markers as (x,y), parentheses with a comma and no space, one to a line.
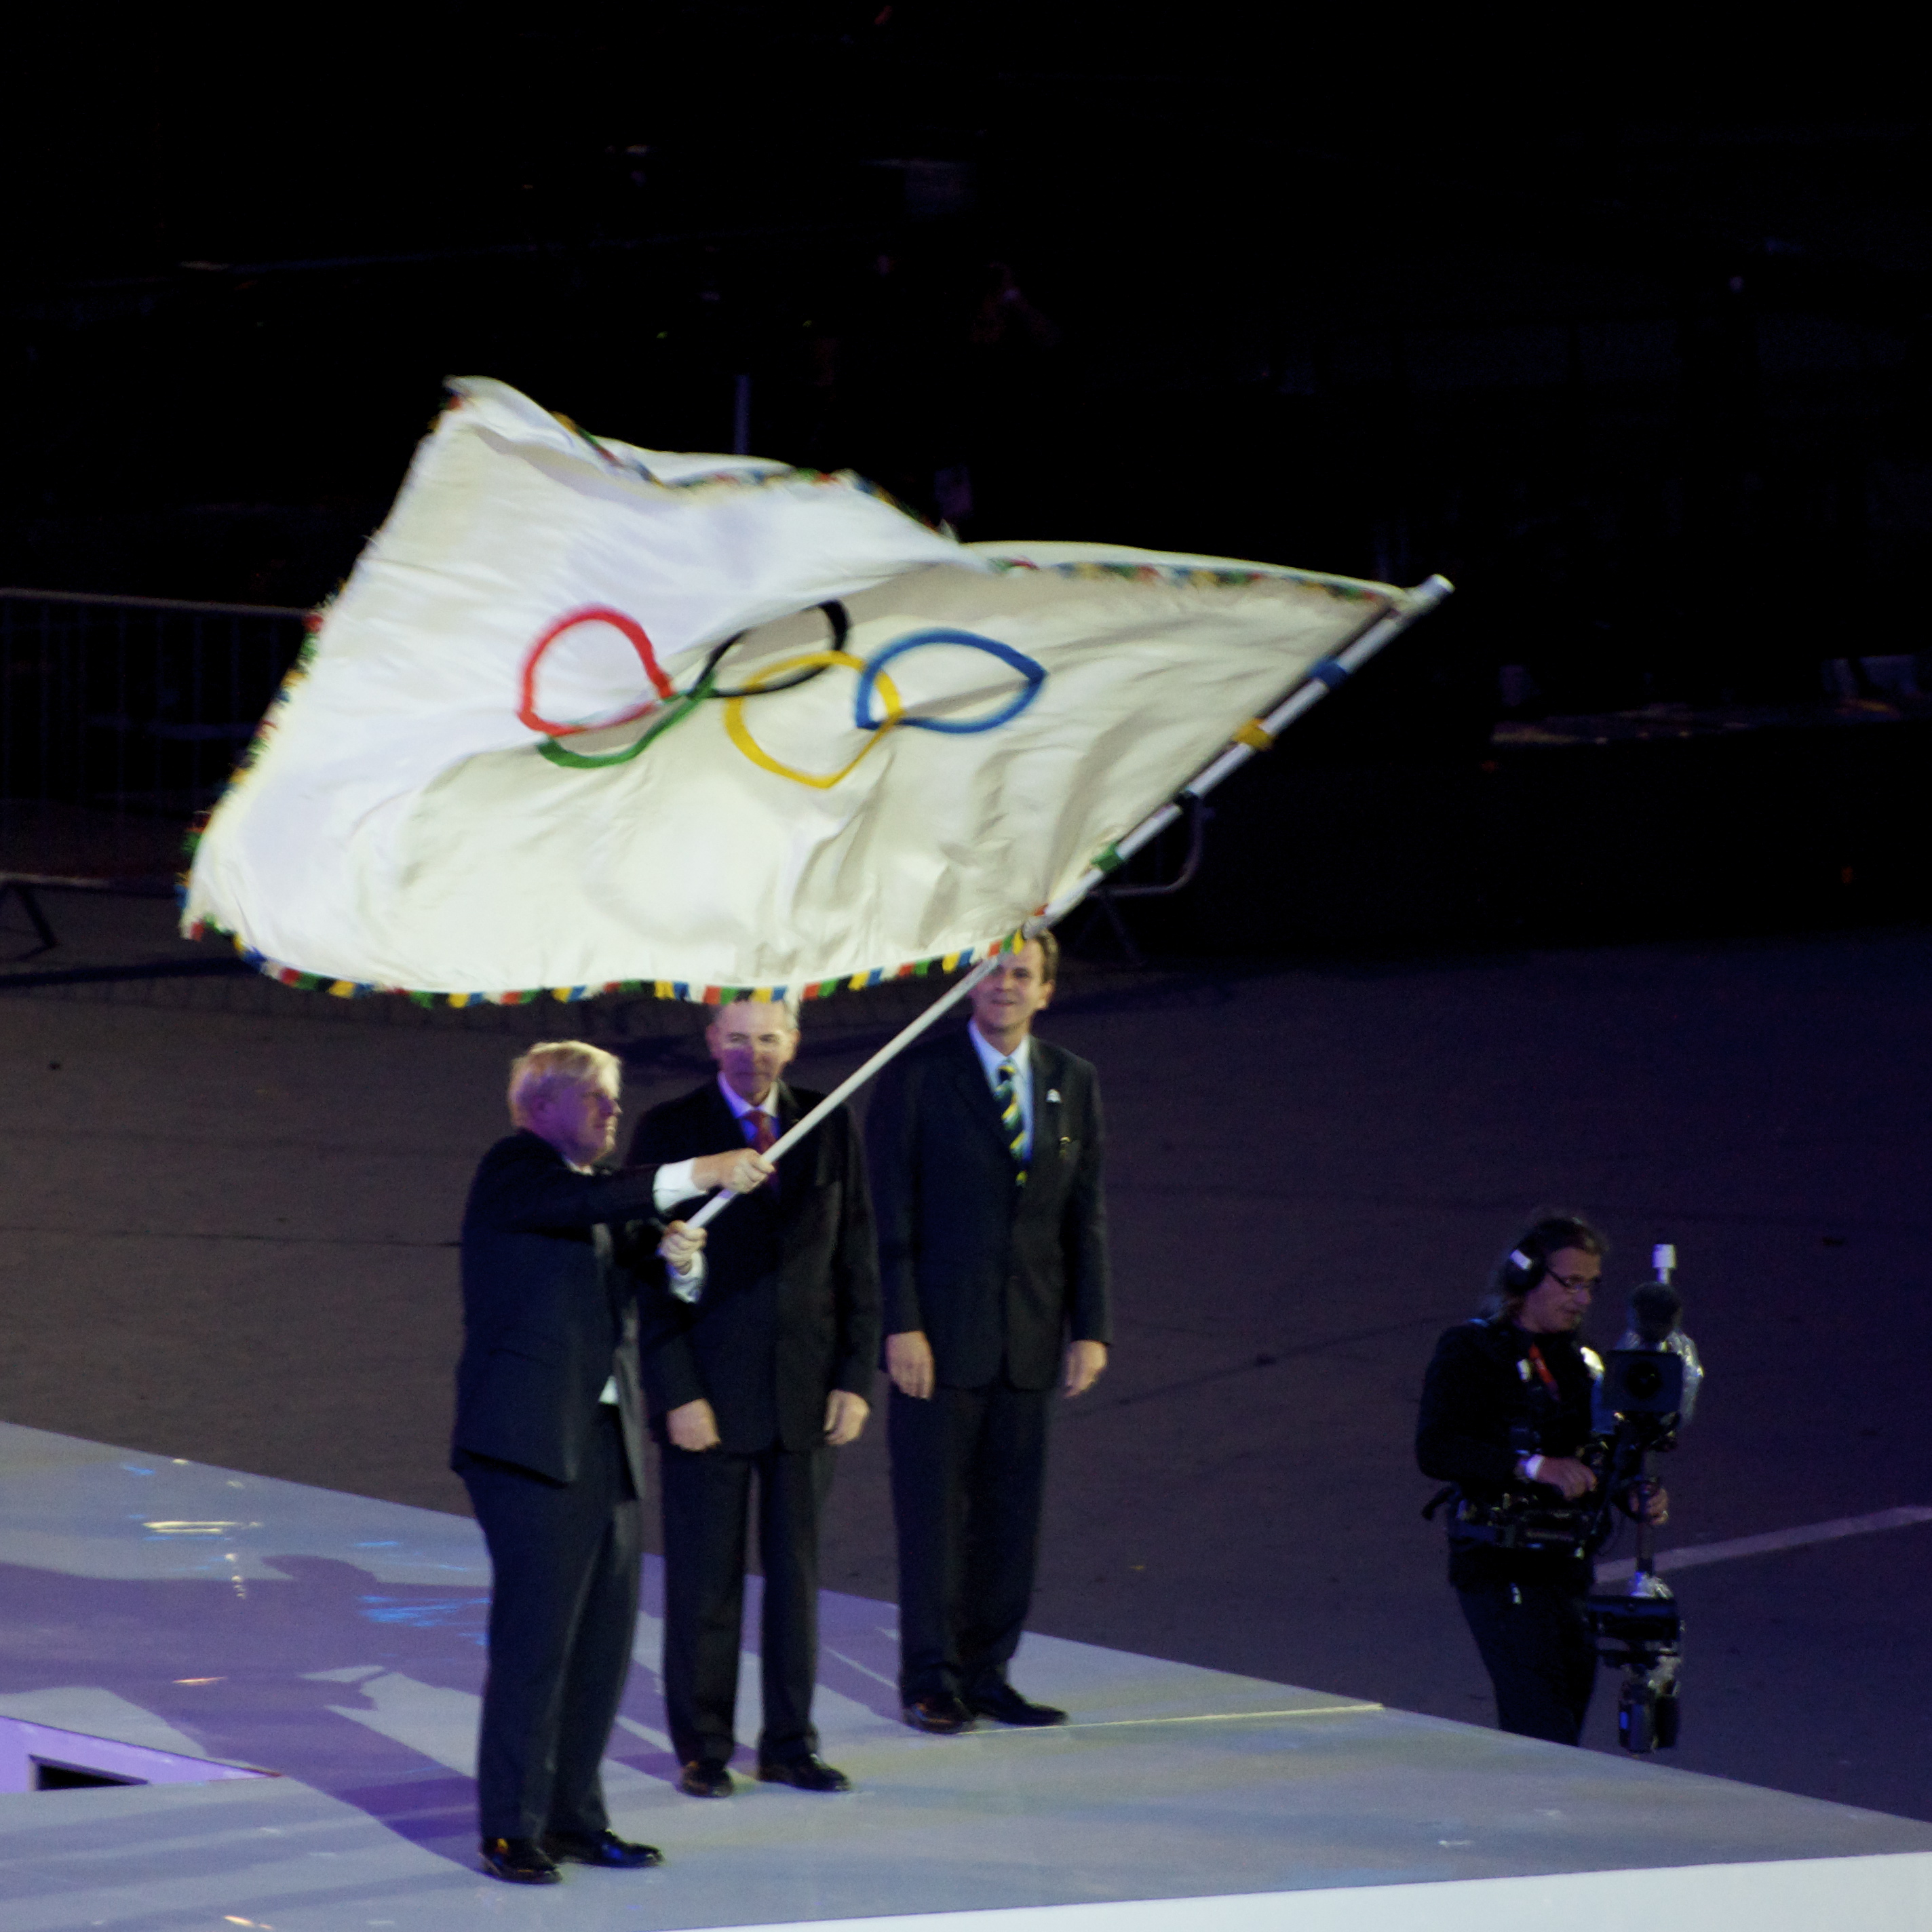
(741,735)
(1035,675)
(785,675)
(527,714)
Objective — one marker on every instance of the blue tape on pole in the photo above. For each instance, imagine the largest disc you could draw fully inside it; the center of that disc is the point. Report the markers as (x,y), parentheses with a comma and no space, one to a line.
(1330,671)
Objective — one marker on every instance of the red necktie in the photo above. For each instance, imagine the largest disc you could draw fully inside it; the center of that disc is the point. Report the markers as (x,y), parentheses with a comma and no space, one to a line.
(760,1122)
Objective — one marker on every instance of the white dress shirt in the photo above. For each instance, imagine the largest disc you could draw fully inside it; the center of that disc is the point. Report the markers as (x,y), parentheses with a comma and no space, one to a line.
(672,1183)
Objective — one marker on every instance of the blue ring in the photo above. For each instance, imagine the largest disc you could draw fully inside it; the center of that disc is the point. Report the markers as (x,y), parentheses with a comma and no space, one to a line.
(1034,673)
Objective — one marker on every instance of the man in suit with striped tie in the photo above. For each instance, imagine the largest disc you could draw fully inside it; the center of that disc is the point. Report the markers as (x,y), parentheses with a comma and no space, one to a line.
(757,1380)
(985,1152)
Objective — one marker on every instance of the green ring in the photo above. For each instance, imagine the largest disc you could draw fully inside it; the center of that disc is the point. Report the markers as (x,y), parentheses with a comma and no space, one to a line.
(594,761)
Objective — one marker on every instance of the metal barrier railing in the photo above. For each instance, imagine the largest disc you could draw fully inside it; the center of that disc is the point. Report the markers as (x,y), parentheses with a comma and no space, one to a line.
(121,719)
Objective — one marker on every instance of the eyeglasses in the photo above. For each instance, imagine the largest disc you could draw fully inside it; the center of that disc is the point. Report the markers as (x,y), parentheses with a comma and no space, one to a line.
(1573,1283)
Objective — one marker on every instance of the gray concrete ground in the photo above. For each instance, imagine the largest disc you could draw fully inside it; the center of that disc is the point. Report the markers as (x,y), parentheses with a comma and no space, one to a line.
(229,1214)
(335,1638)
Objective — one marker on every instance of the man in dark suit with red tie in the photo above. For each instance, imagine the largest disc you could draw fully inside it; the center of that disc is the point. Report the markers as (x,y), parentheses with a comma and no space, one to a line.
(757,1381)
(986,1153)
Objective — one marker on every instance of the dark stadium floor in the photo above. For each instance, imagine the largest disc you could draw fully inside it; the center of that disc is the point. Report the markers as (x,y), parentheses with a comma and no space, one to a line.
(230,1213)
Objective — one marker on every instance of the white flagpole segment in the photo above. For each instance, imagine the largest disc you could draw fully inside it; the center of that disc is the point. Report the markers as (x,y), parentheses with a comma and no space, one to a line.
(1321,678)
(897,1044)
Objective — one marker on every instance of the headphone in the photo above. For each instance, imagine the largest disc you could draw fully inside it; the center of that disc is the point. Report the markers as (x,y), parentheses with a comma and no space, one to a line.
(1528,1263)
(1523,1266)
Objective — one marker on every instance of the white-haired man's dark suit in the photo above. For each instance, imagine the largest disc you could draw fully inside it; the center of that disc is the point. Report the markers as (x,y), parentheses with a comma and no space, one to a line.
(555,1469)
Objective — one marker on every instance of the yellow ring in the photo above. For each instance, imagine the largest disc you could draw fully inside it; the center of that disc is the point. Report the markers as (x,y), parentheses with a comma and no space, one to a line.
(741,733)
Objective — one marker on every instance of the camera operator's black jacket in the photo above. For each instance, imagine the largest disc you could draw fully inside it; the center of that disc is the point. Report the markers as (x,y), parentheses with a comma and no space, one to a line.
(1481,1393)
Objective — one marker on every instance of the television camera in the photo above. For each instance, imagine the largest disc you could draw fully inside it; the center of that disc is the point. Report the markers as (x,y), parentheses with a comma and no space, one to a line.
(1647,1393)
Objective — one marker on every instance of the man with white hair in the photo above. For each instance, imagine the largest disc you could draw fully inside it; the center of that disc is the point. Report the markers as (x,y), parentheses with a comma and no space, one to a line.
(548,1442)
(757,1380)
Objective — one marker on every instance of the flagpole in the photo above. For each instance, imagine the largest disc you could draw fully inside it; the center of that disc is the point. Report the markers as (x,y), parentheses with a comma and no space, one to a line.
(850,1085)
(1257,735)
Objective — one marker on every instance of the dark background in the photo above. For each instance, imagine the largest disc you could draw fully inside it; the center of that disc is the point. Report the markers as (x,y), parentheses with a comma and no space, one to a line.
(1625,331)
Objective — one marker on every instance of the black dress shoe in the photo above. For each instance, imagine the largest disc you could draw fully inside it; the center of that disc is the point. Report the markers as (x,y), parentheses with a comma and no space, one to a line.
(1005,1706)
(705,1777)
(519,1861)
(601,1848)
(943,1714)
(811,1773)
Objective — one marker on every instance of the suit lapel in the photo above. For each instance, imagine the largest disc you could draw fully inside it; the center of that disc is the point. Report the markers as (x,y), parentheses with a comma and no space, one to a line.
(976,1091)
(792,1188)
(609,1275)
(1049,1103)
(723,1120)
(601,1244)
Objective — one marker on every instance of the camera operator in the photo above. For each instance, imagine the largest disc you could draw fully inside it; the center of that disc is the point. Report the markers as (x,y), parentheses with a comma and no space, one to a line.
(1505,1421)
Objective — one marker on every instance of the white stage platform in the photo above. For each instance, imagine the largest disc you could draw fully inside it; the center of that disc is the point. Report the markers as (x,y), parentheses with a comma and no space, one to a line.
(187,1612)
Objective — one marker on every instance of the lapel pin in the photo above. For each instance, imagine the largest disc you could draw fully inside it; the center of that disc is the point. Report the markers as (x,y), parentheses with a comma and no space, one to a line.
(1053,1094)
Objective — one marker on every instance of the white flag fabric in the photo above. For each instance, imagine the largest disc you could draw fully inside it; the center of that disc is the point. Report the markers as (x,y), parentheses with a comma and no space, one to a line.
(587,717)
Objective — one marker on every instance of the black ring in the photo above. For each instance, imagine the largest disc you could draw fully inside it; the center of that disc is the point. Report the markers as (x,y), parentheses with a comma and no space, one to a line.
(841,629)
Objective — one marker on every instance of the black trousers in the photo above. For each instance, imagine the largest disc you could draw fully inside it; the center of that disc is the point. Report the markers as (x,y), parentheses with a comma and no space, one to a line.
(1536,1646)
(706,1507)
(563,1618)
(969,1468)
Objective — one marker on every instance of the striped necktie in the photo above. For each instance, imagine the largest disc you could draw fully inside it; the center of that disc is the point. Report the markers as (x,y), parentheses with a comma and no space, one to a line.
(1012,1122)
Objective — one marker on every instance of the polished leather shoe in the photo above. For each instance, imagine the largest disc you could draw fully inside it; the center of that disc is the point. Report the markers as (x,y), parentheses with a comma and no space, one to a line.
(1005,1706)
(810,1773)
(943,1715)
(601,1848)
(520,1861)
(705,1777)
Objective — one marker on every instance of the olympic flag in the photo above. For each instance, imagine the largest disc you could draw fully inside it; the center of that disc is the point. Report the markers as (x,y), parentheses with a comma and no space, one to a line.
(588,717)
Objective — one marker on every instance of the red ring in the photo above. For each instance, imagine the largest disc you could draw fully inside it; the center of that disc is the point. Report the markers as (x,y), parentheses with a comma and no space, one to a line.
(591,614)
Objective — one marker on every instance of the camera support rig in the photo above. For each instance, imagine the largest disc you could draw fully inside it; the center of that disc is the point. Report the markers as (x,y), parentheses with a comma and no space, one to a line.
(1646,1394)
(1639,1630)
